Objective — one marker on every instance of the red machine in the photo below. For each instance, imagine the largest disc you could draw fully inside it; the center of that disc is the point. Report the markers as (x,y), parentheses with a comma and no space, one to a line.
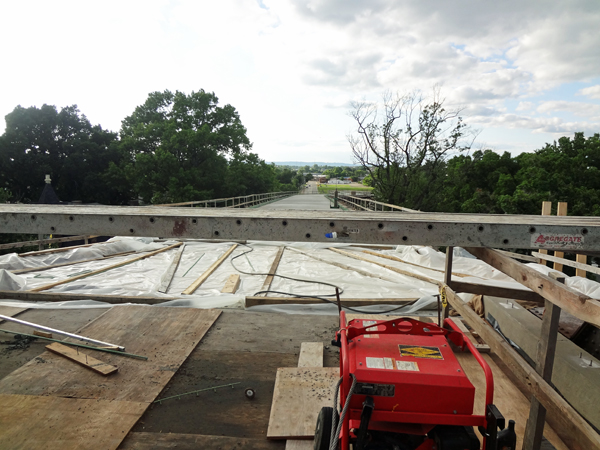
(403,389)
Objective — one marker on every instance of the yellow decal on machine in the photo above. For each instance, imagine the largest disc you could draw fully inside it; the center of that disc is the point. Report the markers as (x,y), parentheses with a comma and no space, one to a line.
(420,352)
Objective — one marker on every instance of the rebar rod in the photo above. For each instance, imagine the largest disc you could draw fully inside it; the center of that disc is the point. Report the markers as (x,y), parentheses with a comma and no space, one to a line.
(75,344)
(195,392)
(64,333)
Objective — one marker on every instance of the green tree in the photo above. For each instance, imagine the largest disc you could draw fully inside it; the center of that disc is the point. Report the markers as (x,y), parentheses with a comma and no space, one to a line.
(180,146)
(63,144)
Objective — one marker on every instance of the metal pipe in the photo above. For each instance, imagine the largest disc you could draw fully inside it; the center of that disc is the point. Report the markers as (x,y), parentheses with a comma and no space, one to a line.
(64,333)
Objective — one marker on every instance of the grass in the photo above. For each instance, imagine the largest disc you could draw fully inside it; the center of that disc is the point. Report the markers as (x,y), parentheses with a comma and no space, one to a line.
(325,189)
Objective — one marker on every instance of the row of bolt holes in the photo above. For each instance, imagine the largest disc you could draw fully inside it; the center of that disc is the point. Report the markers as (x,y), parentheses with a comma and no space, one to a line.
(331,224)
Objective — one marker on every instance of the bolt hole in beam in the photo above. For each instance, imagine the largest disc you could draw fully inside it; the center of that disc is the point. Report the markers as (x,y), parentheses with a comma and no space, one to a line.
(480,228)
(151,219)
(505,241)
(307,235)
(284,223)
(380,226)
(33,217)
(331,224)
(194,221)
(430,227)
(532,230)
(584,231)
(131,230)
(71,218)
(216,233)
(110,219)
(405,238)
(239,222)
(52,229)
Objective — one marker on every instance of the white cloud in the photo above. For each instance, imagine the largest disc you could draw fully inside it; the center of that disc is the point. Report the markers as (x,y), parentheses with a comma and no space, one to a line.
(591,92)
(577,108)
(524,106)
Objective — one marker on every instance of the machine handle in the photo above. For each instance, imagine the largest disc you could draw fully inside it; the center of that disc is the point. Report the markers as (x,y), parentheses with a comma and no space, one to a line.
(402,325)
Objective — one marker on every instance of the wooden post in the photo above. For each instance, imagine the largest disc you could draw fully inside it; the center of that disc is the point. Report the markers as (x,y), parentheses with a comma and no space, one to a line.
(545,362)
(581,272)
(546,211)
(447,280)
(561,211)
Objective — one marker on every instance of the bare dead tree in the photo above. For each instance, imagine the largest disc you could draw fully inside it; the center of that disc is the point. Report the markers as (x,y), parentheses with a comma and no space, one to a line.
(403,143)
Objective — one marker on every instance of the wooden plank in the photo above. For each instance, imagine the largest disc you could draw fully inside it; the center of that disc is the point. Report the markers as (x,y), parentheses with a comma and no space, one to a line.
(561,210)
(70,263)
(96,272)
(311,354)
(82,358)
(62,297)
(544,364)
(43,241)
(180,441)
(254,301)
(58,423)
(496,291)
(10,311)
(299,395)
(232,284)
(578,265)
(576,303)
(267,284)
(167,277)
(196,284)
(581,272)
(393,269)
(519,256)
(343,266)
(42,334)
(546,211)
(576,433)
(165,335)
(482,348)
(395,258)
(57,250)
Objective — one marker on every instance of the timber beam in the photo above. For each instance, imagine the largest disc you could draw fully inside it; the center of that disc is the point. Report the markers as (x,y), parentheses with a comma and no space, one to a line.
(434,229)
(575,303)
(568,424)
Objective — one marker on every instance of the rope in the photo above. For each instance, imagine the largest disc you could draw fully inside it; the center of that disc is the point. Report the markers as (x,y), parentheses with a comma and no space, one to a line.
(336,438)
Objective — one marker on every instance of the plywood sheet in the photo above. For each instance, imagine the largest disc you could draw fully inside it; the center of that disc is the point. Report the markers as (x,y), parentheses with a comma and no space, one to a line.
(165,335)
(10,311)
(311,354)
(299,395)
(30,422)
(164,441)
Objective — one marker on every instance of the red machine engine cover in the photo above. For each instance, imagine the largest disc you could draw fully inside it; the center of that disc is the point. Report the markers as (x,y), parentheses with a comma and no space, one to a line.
(409,373)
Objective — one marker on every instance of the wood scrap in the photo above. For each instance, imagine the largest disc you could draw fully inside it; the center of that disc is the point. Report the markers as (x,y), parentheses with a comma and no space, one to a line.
(311,354)
(395,258)
(170,272)
(42,334)
(82,358)
(70,263)
(253,301)
(232,284)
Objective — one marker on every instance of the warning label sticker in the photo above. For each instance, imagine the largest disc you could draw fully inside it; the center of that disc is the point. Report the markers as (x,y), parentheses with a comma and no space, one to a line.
(553,240)
(420,352)
(375,363)
(407,365)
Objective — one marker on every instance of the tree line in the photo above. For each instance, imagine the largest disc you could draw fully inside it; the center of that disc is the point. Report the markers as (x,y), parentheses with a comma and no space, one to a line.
(173,148)
(419,155)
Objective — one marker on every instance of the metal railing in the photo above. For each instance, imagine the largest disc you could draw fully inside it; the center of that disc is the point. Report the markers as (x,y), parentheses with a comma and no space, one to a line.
(244,201)
(368,204)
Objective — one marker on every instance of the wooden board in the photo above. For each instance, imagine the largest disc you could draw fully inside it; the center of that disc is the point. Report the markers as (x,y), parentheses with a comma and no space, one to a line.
(299,395)
(82,358)
(165,280)
(65,297)
(482,348)
(311,354)
(165,441)
(165,335)
(267,284)
(31,422)
(232,284)
(10,311)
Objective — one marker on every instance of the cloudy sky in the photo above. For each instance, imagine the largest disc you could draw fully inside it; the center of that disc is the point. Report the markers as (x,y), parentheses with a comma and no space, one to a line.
(525,72)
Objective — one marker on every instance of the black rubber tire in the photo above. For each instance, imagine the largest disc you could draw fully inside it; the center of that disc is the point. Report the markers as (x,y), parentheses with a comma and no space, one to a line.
(323,429)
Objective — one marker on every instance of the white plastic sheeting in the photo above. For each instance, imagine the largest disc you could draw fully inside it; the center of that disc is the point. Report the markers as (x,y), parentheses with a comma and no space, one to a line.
(252,262)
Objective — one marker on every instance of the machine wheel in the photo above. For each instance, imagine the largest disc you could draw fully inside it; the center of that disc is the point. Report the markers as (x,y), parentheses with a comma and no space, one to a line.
(323,429)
